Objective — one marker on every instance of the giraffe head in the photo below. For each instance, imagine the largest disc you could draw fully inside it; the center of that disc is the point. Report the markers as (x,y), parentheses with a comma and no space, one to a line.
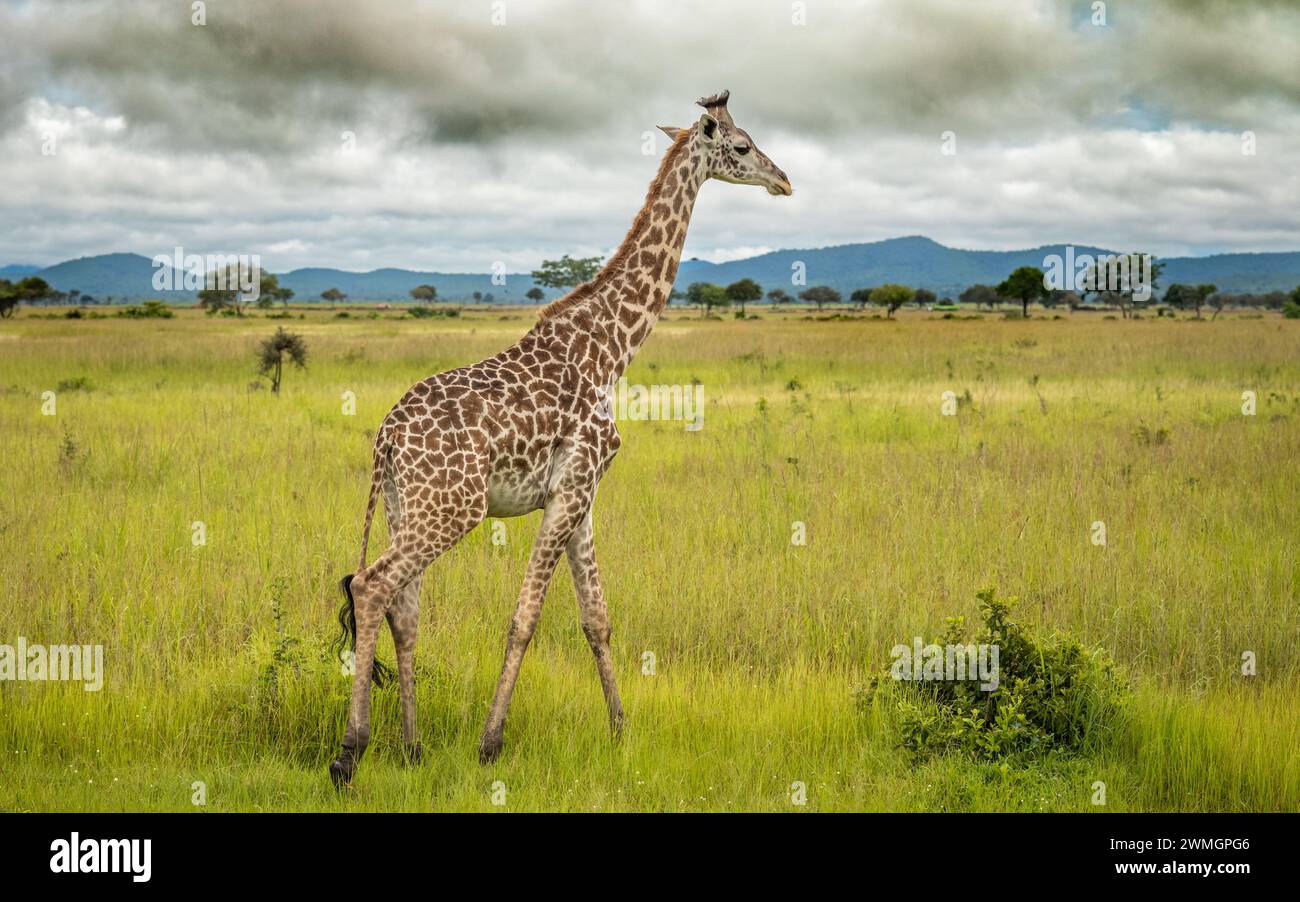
(727,152)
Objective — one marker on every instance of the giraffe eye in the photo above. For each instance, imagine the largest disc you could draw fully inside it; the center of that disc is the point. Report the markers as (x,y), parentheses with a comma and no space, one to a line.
(742,149)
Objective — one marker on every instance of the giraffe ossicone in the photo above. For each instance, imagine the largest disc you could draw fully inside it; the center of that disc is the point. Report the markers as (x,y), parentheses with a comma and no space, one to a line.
(528,429)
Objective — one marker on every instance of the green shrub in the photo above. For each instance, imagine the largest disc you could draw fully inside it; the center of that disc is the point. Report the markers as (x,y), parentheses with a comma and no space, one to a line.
(147,310)
(419,312)
(1291,309)
(77,383)
(1054,694)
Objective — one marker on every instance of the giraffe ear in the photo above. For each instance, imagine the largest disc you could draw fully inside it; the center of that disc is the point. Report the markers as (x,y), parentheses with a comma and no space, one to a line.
(671,131)
(708,128)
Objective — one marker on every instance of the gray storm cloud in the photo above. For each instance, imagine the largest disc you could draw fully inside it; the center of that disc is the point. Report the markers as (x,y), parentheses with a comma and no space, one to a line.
(512,130)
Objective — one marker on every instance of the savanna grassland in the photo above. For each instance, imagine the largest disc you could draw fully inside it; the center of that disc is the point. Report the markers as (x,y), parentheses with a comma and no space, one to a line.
(215,654)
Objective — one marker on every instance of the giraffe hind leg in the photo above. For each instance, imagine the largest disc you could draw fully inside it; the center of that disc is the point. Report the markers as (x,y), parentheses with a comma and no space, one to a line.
(424,535)
(381,674)
(404,623)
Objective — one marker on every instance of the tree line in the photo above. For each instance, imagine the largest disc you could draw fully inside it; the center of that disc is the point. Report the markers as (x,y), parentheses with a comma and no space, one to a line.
(1025,286)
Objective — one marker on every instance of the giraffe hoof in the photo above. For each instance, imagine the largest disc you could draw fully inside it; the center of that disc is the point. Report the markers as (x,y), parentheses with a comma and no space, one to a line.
(340,773)
(489,748)
(413,753)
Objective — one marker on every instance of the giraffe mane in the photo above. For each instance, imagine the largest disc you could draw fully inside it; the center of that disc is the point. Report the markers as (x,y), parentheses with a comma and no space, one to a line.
(717,100)
(586,289)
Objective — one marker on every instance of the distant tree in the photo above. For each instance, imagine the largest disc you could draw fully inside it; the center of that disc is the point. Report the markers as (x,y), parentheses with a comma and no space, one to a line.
(1218,300)
(820,295)
(1178,295)
(535,294)
(861,297)
(222,289)
(676,295)
(778,296)
(269,291)
(924,297)
(487,298)
(1121,294)
(1189,297)
(1203,294)
(706,296)
(333,295)
(979,295)
(424,293)
(478,297)
(1025,285)
(1291,307)
(891,296)
(743,292)
(566,272)
(8,297)
(271,353)
(31,289)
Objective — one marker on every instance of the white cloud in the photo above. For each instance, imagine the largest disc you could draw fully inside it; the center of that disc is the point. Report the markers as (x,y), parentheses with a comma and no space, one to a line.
(476,143)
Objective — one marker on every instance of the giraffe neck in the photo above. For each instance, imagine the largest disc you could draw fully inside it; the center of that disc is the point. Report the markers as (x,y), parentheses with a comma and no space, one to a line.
(620,306)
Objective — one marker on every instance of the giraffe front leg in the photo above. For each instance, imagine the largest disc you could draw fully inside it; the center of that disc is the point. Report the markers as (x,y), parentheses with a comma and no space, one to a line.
(594,615)
(404,621)
(563,514)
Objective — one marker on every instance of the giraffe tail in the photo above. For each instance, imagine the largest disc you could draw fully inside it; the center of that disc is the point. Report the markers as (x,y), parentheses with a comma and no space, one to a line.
(380,674)
(376,480)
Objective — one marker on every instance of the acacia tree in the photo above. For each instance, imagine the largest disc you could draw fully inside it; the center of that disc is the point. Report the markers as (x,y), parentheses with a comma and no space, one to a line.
(707,296)
(980,295)
(270,290)
(222,289)
(1218,300)
(861,297)
(1025,285)
(535,294)
(820,295)
(271,353)
(566,272)
(891,296)
(1120,290)
(30,289)
(333,295)
(424,293)
(743,292)
(924,297)
(778,296)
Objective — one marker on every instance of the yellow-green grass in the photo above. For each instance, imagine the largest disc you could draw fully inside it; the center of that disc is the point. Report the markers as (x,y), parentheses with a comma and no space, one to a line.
(758,643)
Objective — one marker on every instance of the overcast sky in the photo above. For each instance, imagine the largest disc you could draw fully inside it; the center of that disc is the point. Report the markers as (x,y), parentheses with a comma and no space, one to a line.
(476,142)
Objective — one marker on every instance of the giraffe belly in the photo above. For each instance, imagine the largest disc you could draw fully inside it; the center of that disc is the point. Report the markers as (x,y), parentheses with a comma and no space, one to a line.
(509,496)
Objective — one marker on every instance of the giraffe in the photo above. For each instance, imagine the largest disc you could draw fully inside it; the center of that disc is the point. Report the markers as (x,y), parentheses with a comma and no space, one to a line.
(531,428)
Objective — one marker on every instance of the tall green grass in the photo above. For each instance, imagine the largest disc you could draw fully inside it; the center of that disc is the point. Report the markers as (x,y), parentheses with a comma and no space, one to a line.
(758,643)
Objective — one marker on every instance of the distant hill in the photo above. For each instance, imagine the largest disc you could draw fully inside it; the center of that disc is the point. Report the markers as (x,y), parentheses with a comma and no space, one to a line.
(119,276)
(130,276)
(923,263)
(18,271)
(914,261)
(396,284)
